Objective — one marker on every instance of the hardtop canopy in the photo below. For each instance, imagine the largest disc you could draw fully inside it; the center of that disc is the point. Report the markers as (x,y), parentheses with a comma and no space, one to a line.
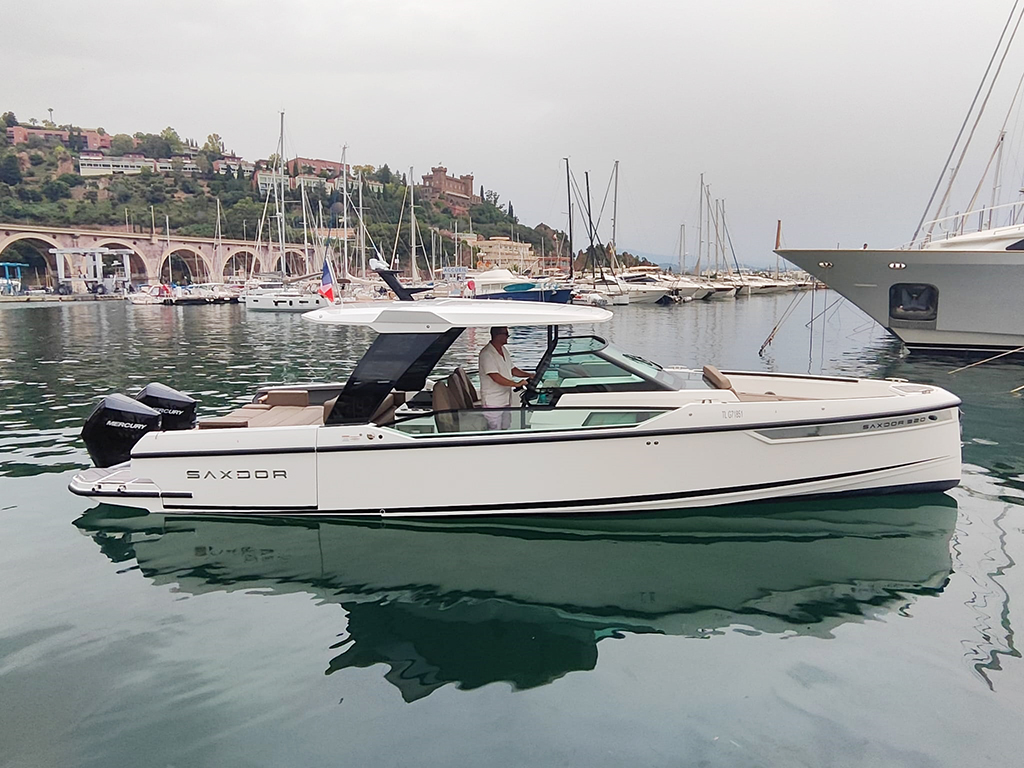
(439,315)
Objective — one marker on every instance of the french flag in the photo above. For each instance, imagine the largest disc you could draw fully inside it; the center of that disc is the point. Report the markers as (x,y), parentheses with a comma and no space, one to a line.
(327,283)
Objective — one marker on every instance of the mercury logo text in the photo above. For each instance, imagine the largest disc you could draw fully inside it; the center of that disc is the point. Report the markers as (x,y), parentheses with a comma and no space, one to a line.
(125,425)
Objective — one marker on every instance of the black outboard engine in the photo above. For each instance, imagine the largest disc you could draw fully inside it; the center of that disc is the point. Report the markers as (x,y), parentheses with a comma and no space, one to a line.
(178,409)
(115,426)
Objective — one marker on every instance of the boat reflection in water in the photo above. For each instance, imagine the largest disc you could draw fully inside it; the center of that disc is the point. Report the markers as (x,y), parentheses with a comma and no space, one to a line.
(527,601)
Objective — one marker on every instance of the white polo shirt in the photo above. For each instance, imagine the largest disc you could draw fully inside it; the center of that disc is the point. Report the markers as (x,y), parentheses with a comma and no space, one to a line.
(493,394)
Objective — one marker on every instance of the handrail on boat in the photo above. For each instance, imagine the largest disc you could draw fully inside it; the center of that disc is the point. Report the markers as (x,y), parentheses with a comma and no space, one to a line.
(959,222)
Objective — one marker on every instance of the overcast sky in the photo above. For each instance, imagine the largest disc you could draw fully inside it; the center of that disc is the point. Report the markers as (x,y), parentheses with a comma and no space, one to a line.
(835,117)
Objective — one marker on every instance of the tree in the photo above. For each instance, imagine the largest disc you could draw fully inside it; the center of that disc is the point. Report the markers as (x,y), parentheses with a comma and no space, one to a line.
(384,174)
(9,119)
(10,170)
(172,138)
(55,190)
(101,131)
(152,145)
(121,144)
(214,147)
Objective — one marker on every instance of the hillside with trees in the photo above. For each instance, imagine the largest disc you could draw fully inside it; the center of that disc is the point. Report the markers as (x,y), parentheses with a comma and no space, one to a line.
(40,184)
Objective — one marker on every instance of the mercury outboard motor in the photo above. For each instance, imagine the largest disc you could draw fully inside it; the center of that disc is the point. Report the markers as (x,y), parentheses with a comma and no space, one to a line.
(178,409)
(115,426)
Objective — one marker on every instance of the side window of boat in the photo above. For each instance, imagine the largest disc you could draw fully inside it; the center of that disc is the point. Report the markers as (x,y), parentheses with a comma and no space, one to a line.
(913,301)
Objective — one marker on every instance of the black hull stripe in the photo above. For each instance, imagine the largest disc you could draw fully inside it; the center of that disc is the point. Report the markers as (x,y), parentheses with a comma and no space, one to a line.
(538,438)
(565,504)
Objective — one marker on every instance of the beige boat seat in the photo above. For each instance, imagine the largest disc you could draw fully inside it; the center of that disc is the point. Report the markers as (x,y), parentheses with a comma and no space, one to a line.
(277,408)
(719,380)
(466,386)
(442,401)
(715,378)
(291,397)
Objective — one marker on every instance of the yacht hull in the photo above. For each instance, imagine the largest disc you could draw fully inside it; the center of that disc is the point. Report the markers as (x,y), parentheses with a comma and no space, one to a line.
(977,292)
(698,455)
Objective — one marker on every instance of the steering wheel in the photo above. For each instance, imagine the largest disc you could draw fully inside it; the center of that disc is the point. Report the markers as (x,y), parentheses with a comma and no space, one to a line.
(529,390)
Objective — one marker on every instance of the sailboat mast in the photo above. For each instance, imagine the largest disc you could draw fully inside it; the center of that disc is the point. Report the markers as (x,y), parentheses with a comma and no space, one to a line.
(700,224)
(682,255)
(344,213)
(568,192)
(305,231)
(615,209)
(412,228)
(362,227)
(280,200)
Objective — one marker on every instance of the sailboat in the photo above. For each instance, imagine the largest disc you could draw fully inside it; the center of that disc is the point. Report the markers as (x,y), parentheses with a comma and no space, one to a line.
(289,294)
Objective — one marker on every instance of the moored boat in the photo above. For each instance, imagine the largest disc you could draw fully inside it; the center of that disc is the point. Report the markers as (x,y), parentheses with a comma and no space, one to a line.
(678,437)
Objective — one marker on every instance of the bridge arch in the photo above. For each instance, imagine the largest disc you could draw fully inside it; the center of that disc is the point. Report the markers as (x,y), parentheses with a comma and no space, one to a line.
(32,277)
(295,261)
(136,261)
(183,264)
(239,265)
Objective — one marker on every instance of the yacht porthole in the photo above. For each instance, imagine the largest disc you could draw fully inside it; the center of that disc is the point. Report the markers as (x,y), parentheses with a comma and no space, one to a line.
(897,265)
(825,264)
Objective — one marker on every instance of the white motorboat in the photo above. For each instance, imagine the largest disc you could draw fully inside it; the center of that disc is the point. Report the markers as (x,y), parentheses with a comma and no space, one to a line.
(677,437)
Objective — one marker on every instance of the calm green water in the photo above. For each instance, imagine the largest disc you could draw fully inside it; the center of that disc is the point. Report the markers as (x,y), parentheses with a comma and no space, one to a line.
(833,633)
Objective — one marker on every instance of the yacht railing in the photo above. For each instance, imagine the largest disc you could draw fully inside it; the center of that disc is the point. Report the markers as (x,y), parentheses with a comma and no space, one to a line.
(958,224)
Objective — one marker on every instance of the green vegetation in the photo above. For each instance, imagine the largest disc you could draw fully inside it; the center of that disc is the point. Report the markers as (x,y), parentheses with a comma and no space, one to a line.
(39,184)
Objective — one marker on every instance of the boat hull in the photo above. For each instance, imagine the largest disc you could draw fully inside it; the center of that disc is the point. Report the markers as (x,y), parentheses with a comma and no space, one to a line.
(696,456)
(977,292)
(270,302)
(549,295)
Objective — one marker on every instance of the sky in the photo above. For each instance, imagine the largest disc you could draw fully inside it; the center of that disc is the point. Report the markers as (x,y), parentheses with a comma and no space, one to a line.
(833,117)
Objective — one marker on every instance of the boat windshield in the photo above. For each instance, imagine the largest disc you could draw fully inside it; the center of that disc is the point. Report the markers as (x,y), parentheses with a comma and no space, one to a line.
(591,364)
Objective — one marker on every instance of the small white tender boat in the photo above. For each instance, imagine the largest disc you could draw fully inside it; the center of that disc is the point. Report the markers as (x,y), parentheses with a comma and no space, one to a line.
(675,437)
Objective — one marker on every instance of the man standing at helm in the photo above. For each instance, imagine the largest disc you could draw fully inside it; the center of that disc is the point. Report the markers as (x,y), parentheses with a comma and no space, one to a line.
(498,379)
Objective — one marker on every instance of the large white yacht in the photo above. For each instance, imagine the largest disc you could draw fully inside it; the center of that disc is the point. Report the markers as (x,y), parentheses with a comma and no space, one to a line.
(957,293)
(380,444)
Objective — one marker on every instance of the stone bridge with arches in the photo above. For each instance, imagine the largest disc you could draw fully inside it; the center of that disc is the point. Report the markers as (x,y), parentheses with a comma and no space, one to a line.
(154,258)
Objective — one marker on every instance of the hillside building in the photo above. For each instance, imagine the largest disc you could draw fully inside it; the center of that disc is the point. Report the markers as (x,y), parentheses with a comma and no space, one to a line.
(456,193)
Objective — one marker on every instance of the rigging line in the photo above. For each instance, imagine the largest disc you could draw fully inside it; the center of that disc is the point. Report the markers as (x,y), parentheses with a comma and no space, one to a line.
(1002,137)
(826,309)
(398,229)
(977,119)
(785,315)
(604,202)
(987,360)
(728,237)
(967,117)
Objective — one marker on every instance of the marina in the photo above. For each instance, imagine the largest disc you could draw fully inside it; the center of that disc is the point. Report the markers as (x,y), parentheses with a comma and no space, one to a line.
(538,452)
(757,607)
